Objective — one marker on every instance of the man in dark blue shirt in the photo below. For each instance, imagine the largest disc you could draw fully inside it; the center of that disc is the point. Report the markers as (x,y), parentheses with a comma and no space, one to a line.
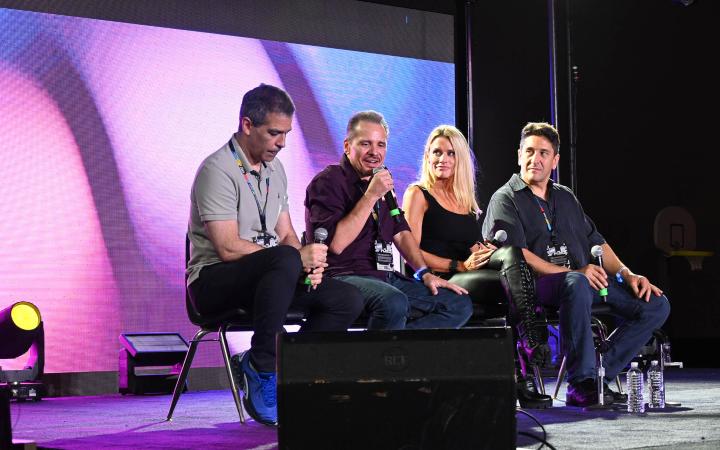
(548,222)
(347,199)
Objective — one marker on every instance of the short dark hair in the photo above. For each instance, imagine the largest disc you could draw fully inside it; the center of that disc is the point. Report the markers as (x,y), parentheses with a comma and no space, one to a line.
(365,116)
(542,129)
(264,99)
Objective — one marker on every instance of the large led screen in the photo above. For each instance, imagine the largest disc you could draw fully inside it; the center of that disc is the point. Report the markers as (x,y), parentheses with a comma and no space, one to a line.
(102,126)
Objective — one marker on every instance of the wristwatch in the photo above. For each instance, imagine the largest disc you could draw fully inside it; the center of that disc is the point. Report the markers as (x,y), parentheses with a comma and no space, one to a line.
(420,272)
(453,265)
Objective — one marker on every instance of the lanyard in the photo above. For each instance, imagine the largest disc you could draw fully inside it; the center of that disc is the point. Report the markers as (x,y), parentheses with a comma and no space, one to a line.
(550,227)
(261,212)
(542,211)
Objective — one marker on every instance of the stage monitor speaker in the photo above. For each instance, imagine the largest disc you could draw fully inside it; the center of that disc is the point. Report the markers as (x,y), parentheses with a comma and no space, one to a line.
(149,363)
(409,389)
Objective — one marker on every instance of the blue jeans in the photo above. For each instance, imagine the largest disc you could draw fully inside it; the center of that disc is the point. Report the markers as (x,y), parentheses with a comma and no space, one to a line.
(396,303)
(572,294)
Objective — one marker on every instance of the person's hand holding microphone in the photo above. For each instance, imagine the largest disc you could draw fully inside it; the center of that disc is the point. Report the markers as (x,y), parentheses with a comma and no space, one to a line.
(313,258)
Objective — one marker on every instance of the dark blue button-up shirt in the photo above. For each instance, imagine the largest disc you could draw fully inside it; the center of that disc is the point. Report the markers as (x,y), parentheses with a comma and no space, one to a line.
(515,209)
(329,197)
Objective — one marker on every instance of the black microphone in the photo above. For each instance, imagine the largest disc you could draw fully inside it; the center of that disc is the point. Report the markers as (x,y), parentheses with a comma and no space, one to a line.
(390,199)
(320,235)
(499,239)
(597,252)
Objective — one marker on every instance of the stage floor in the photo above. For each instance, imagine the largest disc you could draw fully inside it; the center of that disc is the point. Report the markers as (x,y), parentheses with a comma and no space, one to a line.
(208,419)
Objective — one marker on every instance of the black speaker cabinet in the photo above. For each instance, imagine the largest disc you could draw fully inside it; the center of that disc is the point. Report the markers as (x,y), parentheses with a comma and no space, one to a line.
(409,389)
(5,428)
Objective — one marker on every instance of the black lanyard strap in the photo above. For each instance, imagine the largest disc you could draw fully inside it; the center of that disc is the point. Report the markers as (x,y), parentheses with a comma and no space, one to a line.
(261,212)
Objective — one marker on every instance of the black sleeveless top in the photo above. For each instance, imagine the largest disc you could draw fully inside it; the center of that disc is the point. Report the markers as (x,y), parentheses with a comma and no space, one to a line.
(448,234)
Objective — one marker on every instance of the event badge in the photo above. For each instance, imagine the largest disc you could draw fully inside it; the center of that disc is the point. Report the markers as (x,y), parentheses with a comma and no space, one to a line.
(265,240)
(384,256)
(558,255)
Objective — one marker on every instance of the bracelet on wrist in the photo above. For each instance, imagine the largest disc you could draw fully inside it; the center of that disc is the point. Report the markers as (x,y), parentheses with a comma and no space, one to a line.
(421,272)
(453,265)
(618,274)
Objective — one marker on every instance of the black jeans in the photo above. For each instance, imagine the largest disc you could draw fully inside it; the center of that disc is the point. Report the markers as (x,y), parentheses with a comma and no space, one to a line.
(267,284)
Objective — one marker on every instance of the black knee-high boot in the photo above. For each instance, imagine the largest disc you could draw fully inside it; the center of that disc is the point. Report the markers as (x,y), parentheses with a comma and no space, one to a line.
(526,316)
(509,271)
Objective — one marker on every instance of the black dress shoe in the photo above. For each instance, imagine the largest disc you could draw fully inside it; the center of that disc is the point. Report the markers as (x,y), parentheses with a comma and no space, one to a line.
(616,396)
(585,393)
(529,397)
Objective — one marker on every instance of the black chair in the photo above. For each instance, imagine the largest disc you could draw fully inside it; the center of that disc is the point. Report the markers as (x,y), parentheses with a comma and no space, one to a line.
(492,310)
(236,319)
(600,334)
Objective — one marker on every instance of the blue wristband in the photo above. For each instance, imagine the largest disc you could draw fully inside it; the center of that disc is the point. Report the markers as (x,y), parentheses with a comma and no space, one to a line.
(618,274)
(420,272)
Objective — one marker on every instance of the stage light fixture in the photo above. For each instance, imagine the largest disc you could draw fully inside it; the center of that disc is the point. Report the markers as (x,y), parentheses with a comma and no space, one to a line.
(18,323)
(21,331)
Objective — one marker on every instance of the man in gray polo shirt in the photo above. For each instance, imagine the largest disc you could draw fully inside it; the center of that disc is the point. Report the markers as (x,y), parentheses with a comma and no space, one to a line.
(245,252)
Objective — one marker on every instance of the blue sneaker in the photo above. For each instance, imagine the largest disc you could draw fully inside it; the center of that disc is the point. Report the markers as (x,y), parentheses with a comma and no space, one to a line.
(259,389)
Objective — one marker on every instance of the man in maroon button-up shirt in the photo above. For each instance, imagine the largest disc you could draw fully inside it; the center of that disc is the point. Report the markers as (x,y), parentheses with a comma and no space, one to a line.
(347,199)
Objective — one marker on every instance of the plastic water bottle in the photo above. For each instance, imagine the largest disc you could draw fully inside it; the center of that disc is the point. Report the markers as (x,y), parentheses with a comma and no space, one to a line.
(656,386)
(634,379)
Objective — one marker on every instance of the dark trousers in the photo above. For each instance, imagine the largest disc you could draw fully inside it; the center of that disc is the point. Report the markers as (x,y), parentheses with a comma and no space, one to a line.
(572,294)
(266,283)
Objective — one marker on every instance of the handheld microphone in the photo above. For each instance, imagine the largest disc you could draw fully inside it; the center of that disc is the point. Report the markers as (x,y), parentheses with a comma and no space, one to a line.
(320,235)
(390,198)
(499,239)
(597,253)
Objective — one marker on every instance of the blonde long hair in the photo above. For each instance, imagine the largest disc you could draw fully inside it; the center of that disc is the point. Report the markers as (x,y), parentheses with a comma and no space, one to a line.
(464,176)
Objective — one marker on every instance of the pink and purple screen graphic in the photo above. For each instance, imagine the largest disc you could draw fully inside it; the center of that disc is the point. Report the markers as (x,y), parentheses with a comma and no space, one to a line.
(102,126)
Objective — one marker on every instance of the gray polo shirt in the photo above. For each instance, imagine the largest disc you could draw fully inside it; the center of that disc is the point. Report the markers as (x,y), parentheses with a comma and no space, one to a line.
(220,192)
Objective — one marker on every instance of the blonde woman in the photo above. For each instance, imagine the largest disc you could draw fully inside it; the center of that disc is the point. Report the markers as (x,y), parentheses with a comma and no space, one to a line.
(443,214)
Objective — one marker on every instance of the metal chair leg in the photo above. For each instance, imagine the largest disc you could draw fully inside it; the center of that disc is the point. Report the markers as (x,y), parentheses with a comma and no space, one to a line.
(539,379)
(600,327)
(601,330)
(560,377)
(180,384)
(228,367)
(603,335)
